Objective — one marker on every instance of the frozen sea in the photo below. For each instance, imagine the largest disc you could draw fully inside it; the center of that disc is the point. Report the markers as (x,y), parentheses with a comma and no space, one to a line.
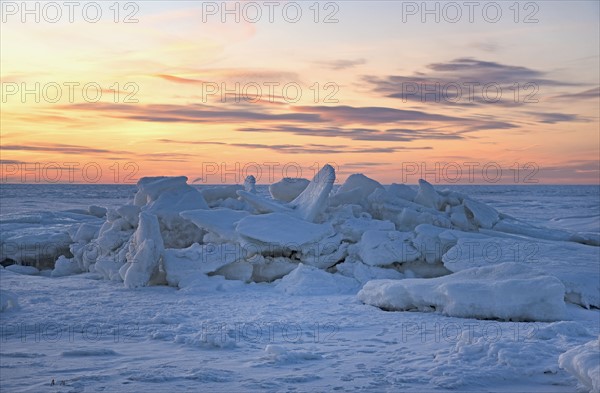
(94,335)
(576,207)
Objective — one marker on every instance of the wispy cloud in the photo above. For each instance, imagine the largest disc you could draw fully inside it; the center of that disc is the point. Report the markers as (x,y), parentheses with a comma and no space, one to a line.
(178,79)
(310,148)
(362,134)
(460,82)
(55,148)
(584,171)
(372,115)
(553,118)
(486,46)
(339,115)
(193,113)
(61,148)
(582,95)
(12,162)
(341,64)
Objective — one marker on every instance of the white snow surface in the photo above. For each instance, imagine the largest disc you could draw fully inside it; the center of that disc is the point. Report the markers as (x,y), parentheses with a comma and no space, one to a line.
(221,335)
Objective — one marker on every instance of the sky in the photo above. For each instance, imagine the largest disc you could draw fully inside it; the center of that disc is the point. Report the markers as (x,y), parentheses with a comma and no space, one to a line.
(454,92)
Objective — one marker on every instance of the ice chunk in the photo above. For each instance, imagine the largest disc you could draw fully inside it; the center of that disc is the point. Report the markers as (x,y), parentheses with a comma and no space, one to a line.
(483,215)
(428,196)
(183,264)
(402,191)
(220,221)
(39,248)
(382,248)
(282,230)
(288,188)
(175,200)
(263,205)
(364,273)
(145,254)
(352,229)
(309,280)
(354,196)
(272,268)
(364,183)
(86,232)
(355,190)
(250,184)
(65,267)
(410,218)
(97,211)
(308,205)
(109,267)
(508,291)
(576,265)
(313,199)
(152,187)
(22,269)
(433,242)
(324,253)
(458,217)
(240,270)
(149,188)
(583,362)
(510,225)
(130,214)
(214,194)
(166,197)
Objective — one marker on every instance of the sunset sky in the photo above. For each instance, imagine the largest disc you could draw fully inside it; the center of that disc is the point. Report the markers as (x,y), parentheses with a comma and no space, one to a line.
(159,111)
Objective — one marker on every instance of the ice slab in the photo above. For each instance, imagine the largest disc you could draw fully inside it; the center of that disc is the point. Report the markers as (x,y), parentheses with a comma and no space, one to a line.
(145,253)
(308,205)
(263,205)
(220,221)
(483,215)
(428,196)
(213,194)
(402,191)
(313,200)
(576,265)
(288,188)
(250,184)
(182,265)
(508,291)
(583,362)
(355,190)
(309,280)
(282,230)
(22,269)
(270,269)
(382,248)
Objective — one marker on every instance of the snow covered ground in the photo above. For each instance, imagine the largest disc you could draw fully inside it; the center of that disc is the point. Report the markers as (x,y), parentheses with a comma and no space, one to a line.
(292,321)
(96,335)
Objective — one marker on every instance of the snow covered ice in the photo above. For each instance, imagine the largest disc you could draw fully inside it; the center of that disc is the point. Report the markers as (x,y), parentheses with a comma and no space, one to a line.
(269,286)
(584,362)
(507,291)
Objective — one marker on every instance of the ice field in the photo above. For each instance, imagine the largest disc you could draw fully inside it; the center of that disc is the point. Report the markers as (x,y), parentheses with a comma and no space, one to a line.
(304,285)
